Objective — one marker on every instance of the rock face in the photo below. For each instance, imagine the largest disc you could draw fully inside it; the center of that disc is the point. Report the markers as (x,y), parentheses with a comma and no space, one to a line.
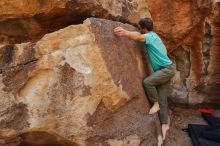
(82,83)
(31,19)
(191,36)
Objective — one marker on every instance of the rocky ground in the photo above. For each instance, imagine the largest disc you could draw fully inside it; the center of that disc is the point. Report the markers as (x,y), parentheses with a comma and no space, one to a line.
(181,117)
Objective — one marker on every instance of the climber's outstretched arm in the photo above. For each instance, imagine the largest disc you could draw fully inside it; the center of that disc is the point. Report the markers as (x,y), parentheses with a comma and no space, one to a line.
(119,31)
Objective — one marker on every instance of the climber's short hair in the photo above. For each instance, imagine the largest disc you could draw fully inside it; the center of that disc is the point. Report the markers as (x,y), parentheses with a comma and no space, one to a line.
(146,23)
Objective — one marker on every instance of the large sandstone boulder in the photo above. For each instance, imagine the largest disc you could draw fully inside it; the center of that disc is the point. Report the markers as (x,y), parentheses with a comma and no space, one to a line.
(82,83)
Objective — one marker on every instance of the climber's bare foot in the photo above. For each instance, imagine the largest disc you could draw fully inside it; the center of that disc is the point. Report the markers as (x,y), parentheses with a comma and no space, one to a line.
(165,128)
(155,108)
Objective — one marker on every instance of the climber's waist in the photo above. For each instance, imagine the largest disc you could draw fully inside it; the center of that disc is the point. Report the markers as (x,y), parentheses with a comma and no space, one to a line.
(168,66)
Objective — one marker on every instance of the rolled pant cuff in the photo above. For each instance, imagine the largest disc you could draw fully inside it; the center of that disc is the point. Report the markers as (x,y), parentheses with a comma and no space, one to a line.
(164,121)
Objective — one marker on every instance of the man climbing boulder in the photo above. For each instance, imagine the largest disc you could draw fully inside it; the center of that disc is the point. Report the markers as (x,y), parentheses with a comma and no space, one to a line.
(157,84)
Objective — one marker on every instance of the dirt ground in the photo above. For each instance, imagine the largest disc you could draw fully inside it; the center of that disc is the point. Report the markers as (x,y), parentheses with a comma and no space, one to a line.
(180,118)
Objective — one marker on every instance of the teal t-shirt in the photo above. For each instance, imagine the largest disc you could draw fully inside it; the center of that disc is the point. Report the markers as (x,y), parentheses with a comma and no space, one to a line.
(157,52)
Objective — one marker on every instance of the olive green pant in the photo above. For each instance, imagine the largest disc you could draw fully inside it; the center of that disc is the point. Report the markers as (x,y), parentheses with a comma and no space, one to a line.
(157,88)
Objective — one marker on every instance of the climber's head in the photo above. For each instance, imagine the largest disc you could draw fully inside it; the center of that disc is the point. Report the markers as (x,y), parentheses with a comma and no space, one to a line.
(145,25)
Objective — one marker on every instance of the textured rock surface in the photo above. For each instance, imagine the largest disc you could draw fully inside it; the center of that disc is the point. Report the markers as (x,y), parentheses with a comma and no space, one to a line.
(31,19)
(81,82)
(190,30)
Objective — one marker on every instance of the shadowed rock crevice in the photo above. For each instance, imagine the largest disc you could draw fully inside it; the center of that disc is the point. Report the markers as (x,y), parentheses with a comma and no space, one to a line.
(8,137)
(36,138)
(207,41)
(32,29)
(179,90)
